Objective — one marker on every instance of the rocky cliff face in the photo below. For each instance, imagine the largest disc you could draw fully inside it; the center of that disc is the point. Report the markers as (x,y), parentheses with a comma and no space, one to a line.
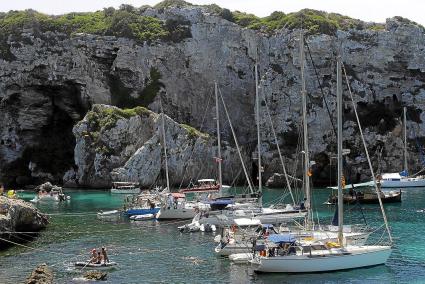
(53,80)
(128,146)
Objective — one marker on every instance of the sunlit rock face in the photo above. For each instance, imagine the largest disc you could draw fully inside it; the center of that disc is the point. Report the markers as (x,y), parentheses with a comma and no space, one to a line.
(129,146)
(52,80)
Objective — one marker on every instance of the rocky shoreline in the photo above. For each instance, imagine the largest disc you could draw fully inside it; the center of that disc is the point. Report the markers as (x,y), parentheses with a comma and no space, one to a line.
(19,216)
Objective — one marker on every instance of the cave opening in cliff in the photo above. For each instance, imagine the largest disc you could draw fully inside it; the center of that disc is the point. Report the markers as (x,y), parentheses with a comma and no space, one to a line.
(49,151)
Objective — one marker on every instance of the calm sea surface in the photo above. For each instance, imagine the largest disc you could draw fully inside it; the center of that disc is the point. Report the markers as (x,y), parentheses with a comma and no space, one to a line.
(156,252)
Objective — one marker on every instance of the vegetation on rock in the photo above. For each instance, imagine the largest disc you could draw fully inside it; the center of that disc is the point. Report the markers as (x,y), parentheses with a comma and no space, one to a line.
(315,22)
(102,118)
(126,21)
(193,132)
(121,95)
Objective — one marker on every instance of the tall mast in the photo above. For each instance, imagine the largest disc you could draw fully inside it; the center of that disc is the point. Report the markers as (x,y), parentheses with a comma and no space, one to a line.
(237,145)
(405,139)
(339,136)
(257,113)
(305,135)
(217,117)
(165,145)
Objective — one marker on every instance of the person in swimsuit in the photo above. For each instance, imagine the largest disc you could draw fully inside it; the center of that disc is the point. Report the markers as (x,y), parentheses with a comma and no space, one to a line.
(93,256)
(105,256)
(99,258)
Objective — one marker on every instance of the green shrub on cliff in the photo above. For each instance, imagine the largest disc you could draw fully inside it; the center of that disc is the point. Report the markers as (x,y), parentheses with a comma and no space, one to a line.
(315,22)
(172,3)
(102,118)
(193,132)
(126,21)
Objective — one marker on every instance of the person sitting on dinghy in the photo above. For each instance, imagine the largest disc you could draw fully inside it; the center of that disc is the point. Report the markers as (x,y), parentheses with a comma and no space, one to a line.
(105,256)
(99,258)
(93,258)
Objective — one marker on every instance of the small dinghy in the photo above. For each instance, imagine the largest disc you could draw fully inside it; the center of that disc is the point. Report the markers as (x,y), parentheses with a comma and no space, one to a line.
(240,257)
(207,228)
(194,226)
(142,217)
(94,265)
(113,215)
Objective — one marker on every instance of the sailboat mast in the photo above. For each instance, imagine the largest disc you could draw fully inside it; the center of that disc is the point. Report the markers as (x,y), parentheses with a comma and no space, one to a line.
(237,145)
(257,113)
(165,145)
(219,160)
(405,139)
(305,134)
(339,140)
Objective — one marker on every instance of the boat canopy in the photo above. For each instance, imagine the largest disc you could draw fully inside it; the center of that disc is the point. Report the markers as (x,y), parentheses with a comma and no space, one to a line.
(267,226)
(219,202)
(281,238)
(348,186)
(206,180)
(395,176)
(247,222)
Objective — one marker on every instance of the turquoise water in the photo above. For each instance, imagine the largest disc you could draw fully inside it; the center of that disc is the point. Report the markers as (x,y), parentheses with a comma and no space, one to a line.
(155,252)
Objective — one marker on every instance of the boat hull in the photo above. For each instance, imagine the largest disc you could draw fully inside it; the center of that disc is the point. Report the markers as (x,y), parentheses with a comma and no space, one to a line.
(368,198)
(354,258)
(402,183)
(125,191)
(142,211)
(95,265)
(168,214)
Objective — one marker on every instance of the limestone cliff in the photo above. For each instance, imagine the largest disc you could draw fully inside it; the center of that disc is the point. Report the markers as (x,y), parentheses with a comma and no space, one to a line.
(50,79)
(127,145)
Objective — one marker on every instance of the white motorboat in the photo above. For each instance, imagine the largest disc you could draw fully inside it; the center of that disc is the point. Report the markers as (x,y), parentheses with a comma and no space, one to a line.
(175,206)
(113,215)
(125,187)
(240,258)
(143,217)
(52,196)
(264,215)
(193,226)
(396,180)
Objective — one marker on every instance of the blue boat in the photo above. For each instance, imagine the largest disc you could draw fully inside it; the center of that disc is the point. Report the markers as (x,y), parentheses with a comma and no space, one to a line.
(141,211)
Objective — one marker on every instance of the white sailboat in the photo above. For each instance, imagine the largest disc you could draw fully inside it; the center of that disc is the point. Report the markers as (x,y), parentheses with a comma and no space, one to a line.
(294,257)
(250,210)
(402,179)
(175,205)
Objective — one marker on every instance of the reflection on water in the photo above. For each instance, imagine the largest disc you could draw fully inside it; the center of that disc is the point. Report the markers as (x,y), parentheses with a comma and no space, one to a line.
(151,251)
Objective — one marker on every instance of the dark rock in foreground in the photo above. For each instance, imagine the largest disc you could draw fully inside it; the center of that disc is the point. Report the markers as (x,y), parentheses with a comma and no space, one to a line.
(96,275)
(41,275)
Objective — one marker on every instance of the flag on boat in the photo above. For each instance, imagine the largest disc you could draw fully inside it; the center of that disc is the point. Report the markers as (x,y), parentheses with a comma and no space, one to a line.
(218,160)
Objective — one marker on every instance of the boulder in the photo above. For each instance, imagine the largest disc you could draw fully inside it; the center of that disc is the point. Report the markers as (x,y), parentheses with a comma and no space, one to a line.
(96,275)
(18,215)
(41,275)
(47,186)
